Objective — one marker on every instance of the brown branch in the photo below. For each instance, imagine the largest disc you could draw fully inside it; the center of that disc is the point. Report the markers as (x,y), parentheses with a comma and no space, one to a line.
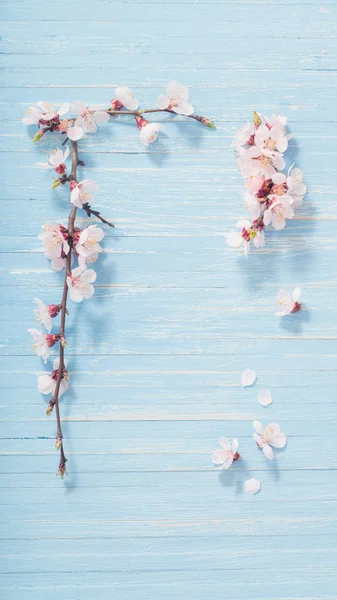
(55,399)
(115,113)
(90,211)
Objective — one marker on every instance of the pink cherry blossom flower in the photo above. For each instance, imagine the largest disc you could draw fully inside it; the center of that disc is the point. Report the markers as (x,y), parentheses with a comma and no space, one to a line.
(279,209)
(56,161)
(243,239)
(55,244)
(227,454)
(289,303)
(124,98)
(79,284)
(266,437)
(43,342)
(89,116)
(46,383)
(82,192)
(45,314)
(88,242)
(176,99)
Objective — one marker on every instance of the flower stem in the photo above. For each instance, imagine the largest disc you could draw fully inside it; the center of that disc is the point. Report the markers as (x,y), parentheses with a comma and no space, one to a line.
(55,399)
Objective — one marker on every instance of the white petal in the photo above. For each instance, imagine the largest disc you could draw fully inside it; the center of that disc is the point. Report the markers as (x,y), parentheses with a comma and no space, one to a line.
(278,440)
(163,102)
(225,443)
(45,384)
(227,463)
(258,426)
(234,239)
(184,108)
(296,294)
(79,107)
(173,88)
(75,133)
(218,457)
(89,186)
(44,165)
(268,452)
(101,117)
(248,377)
(264,397)
(63,109)
(252,486)
(235,445)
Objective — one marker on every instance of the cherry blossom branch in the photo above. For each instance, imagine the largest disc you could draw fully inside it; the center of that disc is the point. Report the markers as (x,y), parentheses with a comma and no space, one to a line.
(65,245)
(55,399)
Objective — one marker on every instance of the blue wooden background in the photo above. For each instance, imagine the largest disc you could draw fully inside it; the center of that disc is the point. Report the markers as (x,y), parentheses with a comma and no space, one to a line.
(155,358)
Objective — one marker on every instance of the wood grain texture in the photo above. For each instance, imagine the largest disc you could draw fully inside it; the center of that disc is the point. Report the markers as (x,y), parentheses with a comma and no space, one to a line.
(155,358)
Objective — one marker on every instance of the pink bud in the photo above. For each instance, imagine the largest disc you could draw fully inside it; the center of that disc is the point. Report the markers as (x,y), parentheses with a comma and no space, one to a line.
(61,169)
(51,339)
(116,104)
(297,306)
(141,122)
(73,184)
(54,309)
(76,235)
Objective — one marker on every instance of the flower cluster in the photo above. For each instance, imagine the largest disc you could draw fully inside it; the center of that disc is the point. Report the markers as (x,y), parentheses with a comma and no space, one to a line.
(69,247)
(272,195)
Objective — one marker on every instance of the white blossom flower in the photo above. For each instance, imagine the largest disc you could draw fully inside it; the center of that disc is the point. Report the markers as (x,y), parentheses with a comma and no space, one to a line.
(264,397)
(79,284)
(125,98)
(43,342)
(257,160)
(82,192)
(248,377)
(266,437)
(46,383)
(252,486)
(279,209)
(88,243)
(176,99)
(55,244)
(271,138)
(89,116)
(43,314)
(289,303)
(247,234)
(227,453)
(44,112)
(245,135)
(149,133)
(56,161)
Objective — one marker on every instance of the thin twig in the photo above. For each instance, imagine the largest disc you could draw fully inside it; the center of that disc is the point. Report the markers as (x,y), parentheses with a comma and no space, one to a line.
(55,399)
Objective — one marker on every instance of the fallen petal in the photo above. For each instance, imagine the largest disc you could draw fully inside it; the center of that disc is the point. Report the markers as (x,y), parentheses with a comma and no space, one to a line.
(252,486)
(264,397)
(248,377)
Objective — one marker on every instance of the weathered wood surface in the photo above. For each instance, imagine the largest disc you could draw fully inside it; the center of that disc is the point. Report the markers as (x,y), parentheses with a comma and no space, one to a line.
(155,358)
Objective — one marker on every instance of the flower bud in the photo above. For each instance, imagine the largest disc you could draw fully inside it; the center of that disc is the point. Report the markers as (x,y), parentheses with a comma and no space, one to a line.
(38,135)
(58,443)
(256,119)
(72,185)
(207,122)
(56,183)
(116,104)
(50,409)
(51,339)
(141,122)
(63,342)
(62,468)
(54,309)
(61,169)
